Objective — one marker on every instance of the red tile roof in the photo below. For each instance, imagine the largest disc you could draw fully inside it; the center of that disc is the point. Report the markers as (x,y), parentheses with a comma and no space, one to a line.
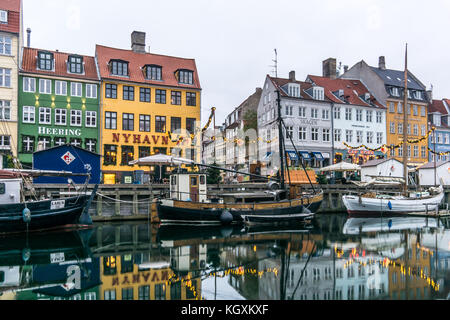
(353,90)
(138,60)
(10,5)
(29,65)
(279,82)
(13,8)
(437,106)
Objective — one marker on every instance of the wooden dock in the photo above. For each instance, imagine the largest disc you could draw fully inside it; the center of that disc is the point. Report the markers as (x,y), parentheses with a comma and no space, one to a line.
(137,202)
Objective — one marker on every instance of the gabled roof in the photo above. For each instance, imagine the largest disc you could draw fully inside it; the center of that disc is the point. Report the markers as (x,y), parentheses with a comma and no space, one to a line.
(13,8)
(304,87)
(397,78)
(437,106)
(136,62)
(354,91)
(430,165)
(29,65)
(374,163)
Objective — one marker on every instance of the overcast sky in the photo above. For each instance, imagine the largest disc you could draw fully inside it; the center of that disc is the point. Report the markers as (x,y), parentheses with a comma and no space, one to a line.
(233,41)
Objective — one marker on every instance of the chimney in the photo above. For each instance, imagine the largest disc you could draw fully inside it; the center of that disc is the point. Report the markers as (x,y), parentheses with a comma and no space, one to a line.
(28,37)
(292,76)
(345,69)
(430,95)
(382,63)
(329,68)
(138,42)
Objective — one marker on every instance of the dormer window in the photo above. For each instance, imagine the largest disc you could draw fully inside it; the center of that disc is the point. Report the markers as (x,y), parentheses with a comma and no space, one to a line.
(75,64)
(394,92)
(153,72)
(318,93)
(3,16)
(119,68)
(418,95)
(186,77)
(409,94)
(294,90)
(45,60)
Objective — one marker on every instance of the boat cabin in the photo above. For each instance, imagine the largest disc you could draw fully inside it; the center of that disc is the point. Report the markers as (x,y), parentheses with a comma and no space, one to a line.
(188,187)
(10,191)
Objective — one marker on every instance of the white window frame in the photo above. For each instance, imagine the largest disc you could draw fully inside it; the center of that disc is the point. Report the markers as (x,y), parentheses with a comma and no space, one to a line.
(45,84)
(91,119)
(348,114)
(314,113)
(75,117)
(369,116)
(359,136)
(379,137)
(326,135)
(302,112)
(3,16)
(28,114)
(392,127)
(60,113)
(29,84)
(5,74)
(61,88)
(91,91)
(3,144)
(359,115)
(369,136)
(5,105)
(302,133)
(349,136)
(337,113)
(314,134)
(46,112)
(379,117)
(76,89)
(5,42)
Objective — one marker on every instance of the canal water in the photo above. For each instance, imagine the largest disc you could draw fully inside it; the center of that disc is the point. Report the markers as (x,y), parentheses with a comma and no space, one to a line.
(333,258)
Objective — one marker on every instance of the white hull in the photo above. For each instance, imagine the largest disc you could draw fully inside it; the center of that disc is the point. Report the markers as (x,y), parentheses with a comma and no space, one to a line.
(397,205)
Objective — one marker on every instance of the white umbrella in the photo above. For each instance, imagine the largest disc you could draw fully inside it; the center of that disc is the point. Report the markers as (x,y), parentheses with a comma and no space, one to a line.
(160,160)
(342,166)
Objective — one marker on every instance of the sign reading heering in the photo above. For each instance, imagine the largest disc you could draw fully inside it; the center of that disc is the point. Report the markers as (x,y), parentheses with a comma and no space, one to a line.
(59,132)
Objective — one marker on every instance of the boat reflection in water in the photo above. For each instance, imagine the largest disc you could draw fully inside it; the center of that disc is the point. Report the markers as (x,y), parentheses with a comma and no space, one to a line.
(334,258)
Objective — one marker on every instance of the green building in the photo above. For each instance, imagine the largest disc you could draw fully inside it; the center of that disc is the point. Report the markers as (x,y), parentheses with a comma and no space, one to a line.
(59,102)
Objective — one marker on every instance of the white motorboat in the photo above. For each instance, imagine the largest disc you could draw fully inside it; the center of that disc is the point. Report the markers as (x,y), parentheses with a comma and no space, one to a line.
(379,204)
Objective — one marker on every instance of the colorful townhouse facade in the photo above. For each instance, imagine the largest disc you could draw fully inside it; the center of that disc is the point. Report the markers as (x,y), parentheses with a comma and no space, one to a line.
(150,104)
(11,42)
(388,87)
(58,102)
(358,119)
(439,140)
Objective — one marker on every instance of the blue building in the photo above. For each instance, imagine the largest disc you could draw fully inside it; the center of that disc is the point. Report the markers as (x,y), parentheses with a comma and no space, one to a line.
(67,158)
(438,116)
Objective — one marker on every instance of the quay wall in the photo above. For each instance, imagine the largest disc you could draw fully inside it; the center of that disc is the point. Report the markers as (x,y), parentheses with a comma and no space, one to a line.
(137,202)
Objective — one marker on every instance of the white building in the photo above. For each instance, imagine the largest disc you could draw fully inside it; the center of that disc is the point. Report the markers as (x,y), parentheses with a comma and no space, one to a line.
(382,167)
(427,173)
(306,113)
(358,119)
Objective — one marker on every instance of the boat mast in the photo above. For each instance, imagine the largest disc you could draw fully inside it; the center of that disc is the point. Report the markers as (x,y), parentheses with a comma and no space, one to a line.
(405,125)
(281,142)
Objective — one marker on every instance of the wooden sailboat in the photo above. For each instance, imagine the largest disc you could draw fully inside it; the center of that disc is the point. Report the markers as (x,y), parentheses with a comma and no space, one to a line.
(188,202)
(371,204)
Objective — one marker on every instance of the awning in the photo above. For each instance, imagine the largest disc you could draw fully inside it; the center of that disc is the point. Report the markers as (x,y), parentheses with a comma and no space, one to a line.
(293,155)
(305,155)
(318,156)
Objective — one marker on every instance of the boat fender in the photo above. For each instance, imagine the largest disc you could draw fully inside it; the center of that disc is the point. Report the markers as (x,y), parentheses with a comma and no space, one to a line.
(26,215)
(226,217)
(390,205)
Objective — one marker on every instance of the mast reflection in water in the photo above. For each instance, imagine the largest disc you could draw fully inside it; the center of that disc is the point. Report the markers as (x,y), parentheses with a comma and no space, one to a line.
(334,258)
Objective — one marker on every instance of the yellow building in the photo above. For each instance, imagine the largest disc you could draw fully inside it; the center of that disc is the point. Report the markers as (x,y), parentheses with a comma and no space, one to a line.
(11,43)
(122,279)
(416,128)
(149,102)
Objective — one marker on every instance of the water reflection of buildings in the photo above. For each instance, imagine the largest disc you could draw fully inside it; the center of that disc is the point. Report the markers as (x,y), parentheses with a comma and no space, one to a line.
(142,277)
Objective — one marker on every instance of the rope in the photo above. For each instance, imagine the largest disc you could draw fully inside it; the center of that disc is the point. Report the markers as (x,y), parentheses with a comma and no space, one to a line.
(118,200)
